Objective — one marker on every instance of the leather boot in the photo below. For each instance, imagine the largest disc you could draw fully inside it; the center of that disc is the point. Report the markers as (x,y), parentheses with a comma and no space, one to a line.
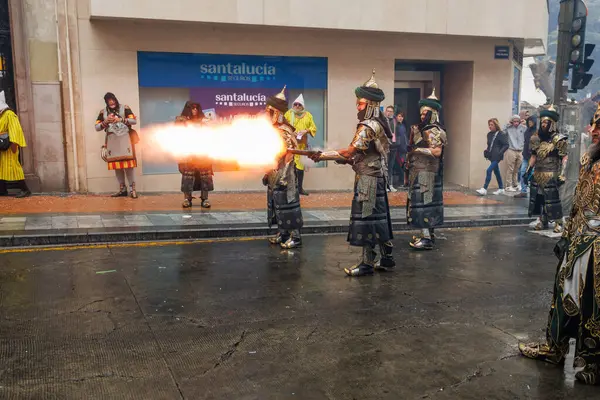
(386,262)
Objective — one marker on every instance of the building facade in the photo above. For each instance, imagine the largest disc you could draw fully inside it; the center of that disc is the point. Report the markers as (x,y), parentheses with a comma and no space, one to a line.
(230,54)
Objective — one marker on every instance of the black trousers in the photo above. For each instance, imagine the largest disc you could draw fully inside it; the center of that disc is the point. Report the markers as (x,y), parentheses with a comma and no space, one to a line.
(19,184)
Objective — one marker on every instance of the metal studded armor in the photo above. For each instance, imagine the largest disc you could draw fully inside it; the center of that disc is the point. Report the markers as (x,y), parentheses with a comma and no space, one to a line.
(544,194)
(370,222)
(425,205)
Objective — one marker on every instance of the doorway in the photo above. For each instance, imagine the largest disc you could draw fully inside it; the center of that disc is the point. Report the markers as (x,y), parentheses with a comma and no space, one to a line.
(7,77)
(414,81)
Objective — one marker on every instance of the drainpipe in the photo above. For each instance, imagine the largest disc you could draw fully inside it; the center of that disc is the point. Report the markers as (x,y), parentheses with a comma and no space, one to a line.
(62,96)
(71,93)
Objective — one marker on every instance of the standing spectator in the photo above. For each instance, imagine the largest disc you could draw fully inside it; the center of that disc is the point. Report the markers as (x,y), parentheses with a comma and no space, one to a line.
(391,159)
(531,130)
(117,119)
(402,145)
(10,167)
(497,144)
(389,116)
(304,124)
(514,155)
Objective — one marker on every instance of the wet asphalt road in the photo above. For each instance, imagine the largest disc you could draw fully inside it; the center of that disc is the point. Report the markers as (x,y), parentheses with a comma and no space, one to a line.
(241,320)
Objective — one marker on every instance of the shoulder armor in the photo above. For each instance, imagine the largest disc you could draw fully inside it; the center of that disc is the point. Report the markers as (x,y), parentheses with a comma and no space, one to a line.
(439,135)
(363,136)
(374,125)
(558,137)
(561,144)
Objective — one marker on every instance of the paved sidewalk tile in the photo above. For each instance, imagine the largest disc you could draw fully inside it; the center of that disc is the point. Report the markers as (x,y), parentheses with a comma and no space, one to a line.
(12,219)
(89,221)
(64,222)
(171,202)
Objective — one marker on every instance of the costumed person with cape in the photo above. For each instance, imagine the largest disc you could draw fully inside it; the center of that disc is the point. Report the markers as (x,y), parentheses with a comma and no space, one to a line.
(575,308)
(370,222)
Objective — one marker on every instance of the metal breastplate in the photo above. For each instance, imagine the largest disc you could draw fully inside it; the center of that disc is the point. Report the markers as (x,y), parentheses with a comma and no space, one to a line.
(422,162)
(550,163)
(368,163)
(547,159)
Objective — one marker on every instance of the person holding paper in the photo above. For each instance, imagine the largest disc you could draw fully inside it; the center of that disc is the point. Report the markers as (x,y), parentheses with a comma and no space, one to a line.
(304,124)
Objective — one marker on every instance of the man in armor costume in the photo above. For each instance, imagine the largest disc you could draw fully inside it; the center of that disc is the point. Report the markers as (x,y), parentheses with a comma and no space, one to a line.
(425,204)
(370,222)
(283,198)
(575,310)
(548,148)
(196,172)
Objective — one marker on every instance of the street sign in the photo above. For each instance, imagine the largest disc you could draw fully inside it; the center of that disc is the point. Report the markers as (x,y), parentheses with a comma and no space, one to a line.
(502,52)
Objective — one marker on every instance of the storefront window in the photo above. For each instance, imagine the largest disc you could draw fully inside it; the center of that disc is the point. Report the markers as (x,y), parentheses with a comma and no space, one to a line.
(225,86)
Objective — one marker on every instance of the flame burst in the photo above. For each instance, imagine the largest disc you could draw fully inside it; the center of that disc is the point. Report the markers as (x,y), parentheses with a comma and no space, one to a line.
(250,142)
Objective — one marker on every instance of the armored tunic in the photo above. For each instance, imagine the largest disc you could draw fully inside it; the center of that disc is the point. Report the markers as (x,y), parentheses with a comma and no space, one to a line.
(575,311)
(370,221)
(425,204)
(196,172)
(283,199)
(544,186)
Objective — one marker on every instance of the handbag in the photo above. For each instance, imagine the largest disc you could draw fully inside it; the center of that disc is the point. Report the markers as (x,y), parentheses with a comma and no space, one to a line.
(4,142)
(135,137)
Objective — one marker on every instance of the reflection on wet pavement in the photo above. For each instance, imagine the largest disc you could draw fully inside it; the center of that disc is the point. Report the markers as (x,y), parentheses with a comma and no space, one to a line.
(242,320)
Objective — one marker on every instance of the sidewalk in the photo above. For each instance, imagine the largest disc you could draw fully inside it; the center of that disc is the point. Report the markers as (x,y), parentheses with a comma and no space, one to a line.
(83,219)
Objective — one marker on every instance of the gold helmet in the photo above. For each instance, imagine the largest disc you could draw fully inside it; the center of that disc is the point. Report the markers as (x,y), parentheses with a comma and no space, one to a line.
(432,103)
(277,106)
(370,94)
(551,115)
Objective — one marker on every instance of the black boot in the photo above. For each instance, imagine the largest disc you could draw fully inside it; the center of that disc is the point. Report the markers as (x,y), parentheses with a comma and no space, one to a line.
(590,375)
(292,243)
(365,267)
(544,220)
(121,193)
(25,192)
(300,176)
(386,262)
(280,238)
(3,188)
(422,244)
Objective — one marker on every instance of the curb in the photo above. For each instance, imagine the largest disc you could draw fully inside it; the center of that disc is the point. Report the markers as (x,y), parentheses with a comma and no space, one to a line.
(79,238)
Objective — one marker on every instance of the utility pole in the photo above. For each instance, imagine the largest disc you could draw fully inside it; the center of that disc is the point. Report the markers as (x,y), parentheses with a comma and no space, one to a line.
(565,18)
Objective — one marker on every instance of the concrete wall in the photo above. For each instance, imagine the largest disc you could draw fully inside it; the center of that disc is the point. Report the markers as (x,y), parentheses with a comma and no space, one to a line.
(108,62)
(489,18)
(458,114)
(46,138)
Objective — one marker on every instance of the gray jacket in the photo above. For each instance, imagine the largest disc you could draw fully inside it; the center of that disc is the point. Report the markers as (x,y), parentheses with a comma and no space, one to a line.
(516,137)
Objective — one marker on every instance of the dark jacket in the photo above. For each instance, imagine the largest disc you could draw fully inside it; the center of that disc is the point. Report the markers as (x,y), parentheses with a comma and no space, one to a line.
(496,152)
(402,139)
(528,133)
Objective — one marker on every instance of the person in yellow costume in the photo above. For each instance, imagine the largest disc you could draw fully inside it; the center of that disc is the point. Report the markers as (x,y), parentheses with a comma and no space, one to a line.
(304,123)
(10,167)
